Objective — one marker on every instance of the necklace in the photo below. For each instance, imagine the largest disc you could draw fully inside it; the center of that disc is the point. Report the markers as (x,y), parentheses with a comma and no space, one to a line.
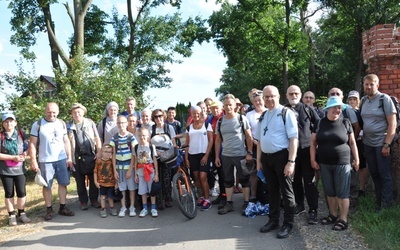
(269,119)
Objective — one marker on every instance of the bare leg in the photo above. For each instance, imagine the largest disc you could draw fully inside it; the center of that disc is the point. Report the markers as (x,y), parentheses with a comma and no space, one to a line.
(103,201)
(123,201)
(332,205)
(144,199)
(204,185)
(47,195)
(62,194)
(10,204)
(344,208)
(21,203)
(253,186)
(132,197)
(229,193)
(246,193)
(110,202)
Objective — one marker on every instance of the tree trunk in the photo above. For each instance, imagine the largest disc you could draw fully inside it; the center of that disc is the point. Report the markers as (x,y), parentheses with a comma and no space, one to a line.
(285,69)
(53,51)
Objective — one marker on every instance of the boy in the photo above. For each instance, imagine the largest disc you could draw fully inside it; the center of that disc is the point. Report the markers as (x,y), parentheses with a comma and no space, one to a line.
(146,170)
(104,180)
(122,144)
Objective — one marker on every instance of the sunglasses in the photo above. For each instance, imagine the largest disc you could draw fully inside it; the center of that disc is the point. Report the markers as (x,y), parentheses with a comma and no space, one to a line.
(158,116)
(257,93)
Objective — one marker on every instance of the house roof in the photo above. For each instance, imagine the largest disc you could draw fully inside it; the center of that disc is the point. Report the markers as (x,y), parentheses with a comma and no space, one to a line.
(48,79)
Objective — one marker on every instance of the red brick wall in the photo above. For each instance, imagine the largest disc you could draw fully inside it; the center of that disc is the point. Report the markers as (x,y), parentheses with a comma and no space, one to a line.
(381,52)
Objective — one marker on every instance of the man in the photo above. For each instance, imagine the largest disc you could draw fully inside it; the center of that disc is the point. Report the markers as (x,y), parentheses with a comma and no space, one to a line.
(49,136)
(233,133)
(379,115)
(171,114)
(277,135)
(309,99)
(130,104)
(217,112)
(85,142)
(304,173)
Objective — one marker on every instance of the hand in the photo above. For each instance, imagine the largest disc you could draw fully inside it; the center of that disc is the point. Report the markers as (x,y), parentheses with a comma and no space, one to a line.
(356,165)
(70,164)
(259,166)
(129,174)
(289,169)
(136,178)
(385,152)
(97,184)
(249,157)
(116,175)
(315,165)
(217,162)
(34,166)
(203,160)
(156,178)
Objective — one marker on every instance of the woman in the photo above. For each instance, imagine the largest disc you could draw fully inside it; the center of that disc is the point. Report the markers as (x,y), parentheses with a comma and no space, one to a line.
(107,128)
(85,142)
(353,100)
(12,168)
(253,116)
(132,122)
(163,134)
(200,141)
(333,136)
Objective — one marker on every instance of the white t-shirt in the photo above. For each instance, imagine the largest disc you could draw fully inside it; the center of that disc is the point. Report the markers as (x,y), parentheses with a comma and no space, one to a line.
(198,139)
(253,117)
(51,140)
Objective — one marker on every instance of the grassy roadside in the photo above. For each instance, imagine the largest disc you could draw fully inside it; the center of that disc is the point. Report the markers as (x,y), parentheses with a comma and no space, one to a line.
(379,230)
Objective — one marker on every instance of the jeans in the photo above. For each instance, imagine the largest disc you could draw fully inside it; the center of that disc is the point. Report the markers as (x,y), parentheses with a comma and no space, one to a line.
(380,170)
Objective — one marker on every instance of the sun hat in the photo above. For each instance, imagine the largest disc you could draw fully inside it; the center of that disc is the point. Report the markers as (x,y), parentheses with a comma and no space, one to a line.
(238,102)
(354,93)
(216,104)
(334,101)
(78,106)
(8,115)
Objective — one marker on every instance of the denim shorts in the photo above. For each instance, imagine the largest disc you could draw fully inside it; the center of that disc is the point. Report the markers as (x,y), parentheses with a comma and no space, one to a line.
(106,191)
(336,180)
(124,183)
(58,169)
(144,186)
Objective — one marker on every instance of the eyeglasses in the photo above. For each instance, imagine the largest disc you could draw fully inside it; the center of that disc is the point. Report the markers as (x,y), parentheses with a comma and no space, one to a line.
(257,93)
(334,93)
(269,96)
(308,97)
(294,93)
(158,116)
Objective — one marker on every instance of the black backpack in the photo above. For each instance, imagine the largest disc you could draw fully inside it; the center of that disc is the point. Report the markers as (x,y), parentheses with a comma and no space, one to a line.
(358,114)
(395,102)
(166,130)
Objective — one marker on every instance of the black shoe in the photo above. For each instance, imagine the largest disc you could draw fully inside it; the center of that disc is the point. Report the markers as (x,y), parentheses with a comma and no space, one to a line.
(221,204)
(312,217)
(218,200)
(269,227)
(284,232)
(299,210)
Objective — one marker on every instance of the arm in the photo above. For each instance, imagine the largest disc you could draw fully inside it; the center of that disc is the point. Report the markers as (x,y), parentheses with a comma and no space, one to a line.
(249,143)
(289,168)
(217,147)
(354,151)
(114,162)
(156,179)
(313,152)
(259,164)
(32,153)
(67,147)
(204,160)
(356,129)
(95,177)
(187,142)
(392,123)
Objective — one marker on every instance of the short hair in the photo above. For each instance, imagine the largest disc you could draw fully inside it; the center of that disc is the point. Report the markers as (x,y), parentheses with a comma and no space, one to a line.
(371,77)
(132,115)
(141,129)
(208,99)
(146,110)
(200,103)
(130,98)
(196,108)
(171,108)
(156,111)
(106,146)
(229,96)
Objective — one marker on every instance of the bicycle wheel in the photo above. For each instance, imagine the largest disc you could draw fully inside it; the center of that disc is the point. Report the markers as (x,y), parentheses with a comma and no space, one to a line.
(186,199)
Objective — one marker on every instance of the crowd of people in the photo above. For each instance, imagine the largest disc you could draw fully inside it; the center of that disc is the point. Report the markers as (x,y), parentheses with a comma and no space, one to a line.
(293,145)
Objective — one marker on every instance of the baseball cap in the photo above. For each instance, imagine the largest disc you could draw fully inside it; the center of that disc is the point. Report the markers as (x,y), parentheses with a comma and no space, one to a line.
(354,93)
(8,115)
(216,104)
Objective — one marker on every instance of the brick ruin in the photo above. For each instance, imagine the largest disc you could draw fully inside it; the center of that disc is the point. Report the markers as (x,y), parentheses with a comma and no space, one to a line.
(381,52)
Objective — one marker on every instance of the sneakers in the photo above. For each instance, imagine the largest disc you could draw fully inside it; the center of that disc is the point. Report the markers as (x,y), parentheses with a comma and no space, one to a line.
(23,218)
(206,205)
(299,210)
(154,213)
(226,209)
(95,204)
(66,212)
(103,213)
(312,217)
(113,211)
(12,220)
(144,212)
(49,214)
(200,202)
(84,206)
(132,212)
(122,212)
(213,192)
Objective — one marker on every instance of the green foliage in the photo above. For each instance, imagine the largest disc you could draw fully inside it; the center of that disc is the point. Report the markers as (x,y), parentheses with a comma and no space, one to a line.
(379,230)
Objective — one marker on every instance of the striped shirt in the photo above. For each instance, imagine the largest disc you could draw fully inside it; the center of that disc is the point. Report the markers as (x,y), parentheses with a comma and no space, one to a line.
(123,151)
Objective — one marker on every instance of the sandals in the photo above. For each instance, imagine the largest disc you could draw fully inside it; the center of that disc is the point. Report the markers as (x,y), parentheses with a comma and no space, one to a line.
(340,225)
(330,219)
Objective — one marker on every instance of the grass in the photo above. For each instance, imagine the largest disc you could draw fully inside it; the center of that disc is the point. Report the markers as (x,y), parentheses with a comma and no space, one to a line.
(35,206)
(379,230)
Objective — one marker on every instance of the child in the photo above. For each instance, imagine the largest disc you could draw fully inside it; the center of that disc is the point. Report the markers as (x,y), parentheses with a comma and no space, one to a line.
(104,180)
(146,169)
(122,144)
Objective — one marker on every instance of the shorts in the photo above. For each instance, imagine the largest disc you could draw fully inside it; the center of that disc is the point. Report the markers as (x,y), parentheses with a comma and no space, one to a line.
(58,169)
(124,183)
(106,191)
(144,186)
(336,180)
(228,165)
(195,165)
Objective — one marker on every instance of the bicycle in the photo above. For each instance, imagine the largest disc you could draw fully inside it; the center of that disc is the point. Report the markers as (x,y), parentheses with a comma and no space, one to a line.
(183,188)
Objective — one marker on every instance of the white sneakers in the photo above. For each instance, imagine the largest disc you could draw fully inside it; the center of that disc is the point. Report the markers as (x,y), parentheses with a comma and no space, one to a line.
(143,213)
(132,212)
(122,212)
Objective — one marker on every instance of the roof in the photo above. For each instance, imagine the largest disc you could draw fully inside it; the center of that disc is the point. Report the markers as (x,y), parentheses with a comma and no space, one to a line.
(48,79)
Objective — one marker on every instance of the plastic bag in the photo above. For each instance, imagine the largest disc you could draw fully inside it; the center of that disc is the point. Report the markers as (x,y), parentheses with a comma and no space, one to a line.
(39,179)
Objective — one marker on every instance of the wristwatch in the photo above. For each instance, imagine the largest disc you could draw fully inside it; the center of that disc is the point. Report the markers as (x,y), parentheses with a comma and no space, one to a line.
(249,152)
(386,145)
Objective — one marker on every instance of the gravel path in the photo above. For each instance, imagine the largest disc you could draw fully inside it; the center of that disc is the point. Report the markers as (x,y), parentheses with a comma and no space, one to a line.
(323,237)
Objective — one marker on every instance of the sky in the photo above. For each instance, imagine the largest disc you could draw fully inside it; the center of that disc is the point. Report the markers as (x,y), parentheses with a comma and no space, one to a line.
(193,80)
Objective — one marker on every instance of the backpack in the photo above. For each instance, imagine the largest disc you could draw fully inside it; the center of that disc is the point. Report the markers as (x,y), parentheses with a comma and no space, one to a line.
(283,114)
(358,114)
(129,141)
(395,102)
(166,130)
(104,128)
